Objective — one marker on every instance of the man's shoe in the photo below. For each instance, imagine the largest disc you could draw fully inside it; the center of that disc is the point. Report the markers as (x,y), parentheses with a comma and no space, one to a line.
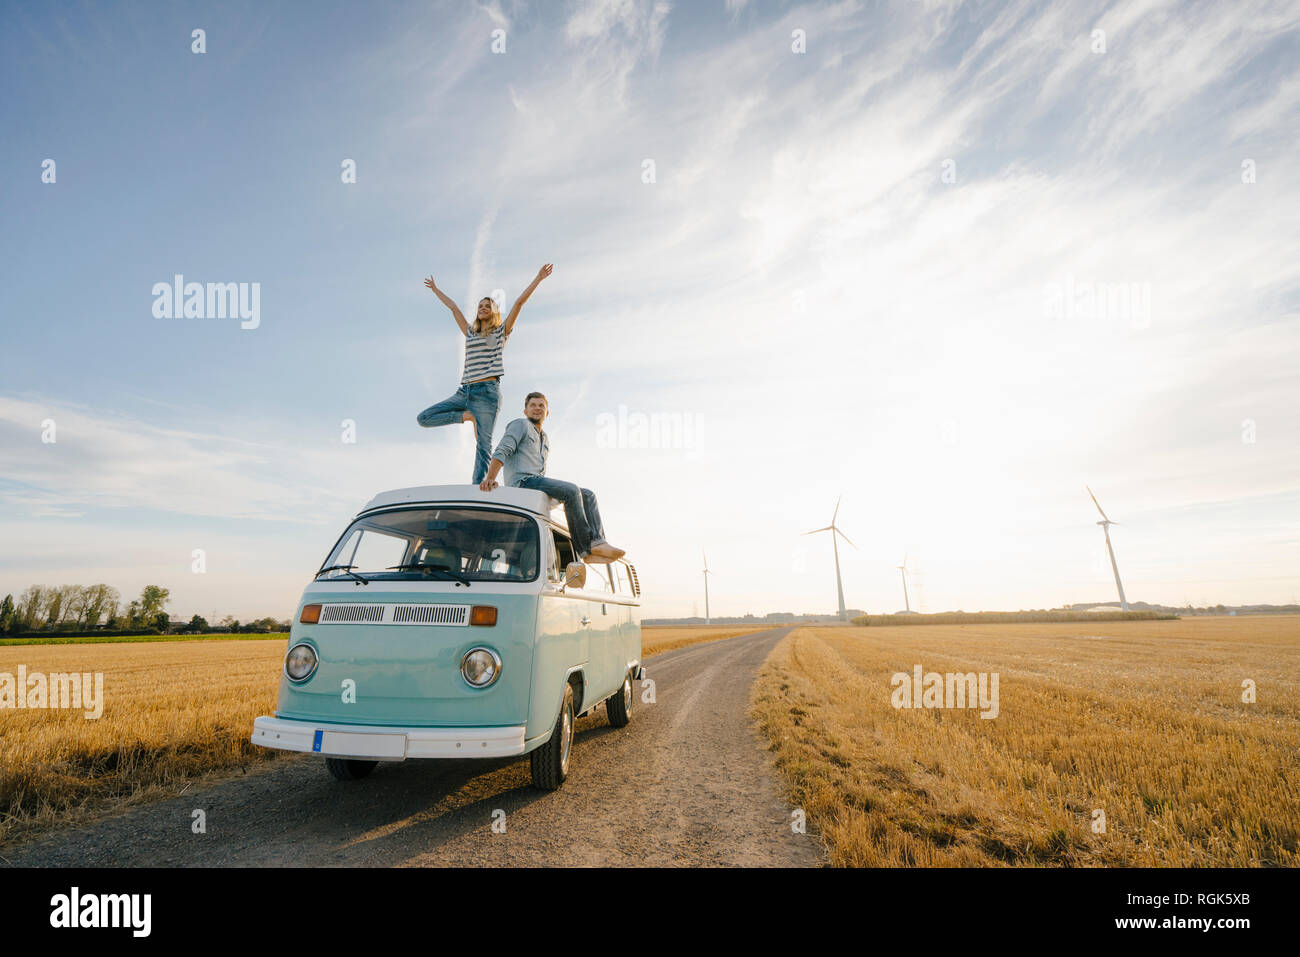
(606,552)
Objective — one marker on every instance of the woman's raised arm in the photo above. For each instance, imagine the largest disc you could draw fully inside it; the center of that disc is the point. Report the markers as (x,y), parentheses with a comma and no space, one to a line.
(447,301)
(523,296)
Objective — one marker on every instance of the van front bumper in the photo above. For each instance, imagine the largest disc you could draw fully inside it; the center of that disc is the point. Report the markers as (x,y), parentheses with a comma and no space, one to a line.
(386,743)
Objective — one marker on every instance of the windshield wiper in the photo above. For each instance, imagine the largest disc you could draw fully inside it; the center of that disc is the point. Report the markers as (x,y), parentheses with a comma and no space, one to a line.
(346,568)
(440,569)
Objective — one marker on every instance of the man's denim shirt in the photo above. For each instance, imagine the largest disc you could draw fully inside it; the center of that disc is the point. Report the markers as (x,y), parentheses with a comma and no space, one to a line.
(522,451)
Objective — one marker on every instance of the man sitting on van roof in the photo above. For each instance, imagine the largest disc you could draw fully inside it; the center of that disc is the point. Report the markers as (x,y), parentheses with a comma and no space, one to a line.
(522,451)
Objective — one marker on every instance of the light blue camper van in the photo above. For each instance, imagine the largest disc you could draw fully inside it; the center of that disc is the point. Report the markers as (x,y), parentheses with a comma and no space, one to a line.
(448,622)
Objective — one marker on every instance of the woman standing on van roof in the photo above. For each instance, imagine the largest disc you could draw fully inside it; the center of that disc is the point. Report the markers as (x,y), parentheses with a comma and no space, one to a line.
(479,397)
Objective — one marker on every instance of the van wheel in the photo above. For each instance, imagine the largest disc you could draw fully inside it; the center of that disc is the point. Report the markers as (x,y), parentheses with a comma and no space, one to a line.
(618,707)
(346,769)
(550,762)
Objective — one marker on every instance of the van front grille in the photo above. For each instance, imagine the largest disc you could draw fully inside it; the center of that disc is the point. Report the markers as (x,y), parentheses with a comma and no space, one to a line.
(379,614)
(354,614)
(430,615)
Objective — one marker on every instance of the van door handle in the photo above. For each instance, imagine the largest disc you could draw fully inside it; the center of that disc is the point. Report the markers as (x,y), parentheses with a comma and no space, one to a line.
(586,620)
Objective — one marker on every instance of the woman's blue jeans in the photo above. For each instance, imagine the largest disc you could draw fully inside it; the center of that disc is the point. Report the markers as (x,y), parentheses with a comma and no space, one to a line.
(483,399)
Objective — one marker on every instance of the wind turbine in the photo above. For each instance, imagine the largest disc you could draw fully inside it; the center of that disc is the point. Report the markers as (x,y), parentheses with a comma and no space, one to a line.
(1105,524)
(839,584)
(903,569)
(707,573)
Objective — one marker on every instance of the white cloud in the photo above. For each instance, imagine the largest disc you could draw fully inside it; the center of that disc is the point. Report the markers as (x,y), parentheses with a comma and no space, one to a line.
(105,461)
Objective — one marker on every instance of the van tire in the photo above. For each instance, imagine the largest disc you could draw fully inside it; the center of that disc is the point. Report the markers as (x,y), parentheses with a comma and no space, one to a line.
(618,706)
(349,769)
(550,762)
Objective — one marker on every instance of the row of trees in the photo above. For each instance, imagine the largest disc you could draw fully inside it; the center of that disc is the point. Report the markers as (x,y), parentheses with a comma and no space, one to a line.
(198,625)
(72,608)
(260,626)
(83,607)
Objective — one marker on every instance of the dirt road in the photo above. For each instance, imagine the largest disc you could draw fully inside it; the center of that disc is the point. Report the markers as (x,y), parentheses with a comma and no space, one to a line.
(685,784)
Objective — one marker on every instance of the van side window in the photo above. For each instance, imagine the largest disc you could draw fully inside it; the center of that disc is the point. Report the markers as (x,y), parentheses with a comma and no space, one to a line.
(597,578)
(620,573)
(548,550)
(563,552)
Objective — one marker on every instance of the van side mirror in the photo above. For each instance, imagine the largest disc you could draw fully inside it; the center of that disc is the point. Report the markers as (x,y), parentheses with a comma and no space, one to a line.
(575,575)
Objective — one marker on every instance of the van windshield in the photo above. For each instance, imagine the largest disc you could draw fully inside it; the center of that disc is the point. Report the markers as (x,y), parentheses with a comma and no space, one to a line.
(412,544)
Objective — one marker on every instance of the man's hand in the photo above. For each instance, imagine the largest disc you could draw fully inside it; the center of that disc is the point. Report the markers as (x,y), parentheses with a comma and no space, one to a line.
(490,480)
(430,283)
(544,271)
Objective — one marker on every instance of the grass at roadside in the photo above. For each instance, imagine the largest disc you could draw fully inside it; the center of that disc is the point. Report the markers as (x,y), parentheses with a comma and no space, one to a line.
(175,711)
(55,639)
(1141,721)
(661,638)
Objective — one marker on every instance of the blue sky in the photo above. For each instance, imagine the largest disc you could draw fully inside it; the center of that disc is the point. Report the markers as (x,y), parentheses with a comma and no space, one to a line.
(952,262)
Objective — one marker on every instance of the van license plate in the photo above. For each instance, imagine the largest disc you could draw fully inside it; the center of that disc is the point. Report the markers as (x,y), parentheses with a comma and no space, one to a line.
(370,745)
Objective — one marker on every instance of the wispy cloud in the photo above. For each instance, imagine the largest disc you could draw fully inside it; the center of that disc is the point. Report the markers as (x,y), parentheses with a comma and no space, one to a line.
(105,461)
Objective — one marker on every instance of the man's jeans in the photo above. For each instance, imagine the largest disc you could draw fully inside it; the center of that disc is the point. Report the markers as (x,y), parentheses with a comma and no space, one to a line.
(481,398)
(579,508)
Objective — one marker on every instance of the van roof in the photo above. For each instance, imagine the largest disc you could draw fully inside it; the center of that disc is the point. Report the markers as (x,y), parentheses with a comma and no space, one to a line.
(539,503)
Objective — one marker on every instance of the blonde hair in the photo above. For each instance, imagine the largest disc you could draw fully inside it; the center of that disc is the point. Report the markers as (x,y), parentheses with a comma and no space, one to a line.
(477,324)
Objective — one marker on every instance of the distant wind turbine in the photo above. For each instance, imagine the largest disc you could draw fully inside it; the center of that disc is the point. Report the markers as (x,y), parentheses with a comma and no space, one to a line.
(1105,524)
(903,569)
(839,584)
(707,573)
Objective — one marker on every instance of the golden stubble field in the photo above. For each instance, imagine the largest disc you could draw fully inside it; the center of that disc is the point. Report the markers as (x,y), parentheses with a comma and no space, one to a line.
(671,637)
(1142,721)
(175,711)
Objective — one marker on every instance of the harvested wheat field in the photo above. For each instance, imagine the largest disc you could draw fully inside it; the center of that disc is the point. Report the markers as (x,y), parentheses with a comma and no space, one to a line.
(660,638)
(1142,722)
(173,711)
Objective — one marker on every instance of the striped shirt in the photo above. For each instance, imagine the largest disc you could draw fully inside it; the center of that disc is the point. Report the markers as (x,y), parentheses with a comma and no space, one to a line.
(484,354)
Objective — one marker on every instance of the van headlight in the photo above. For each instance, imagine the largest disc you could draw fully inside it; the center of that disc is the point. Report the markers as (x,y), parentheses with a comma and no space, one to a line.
(300,662)
(480,667)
